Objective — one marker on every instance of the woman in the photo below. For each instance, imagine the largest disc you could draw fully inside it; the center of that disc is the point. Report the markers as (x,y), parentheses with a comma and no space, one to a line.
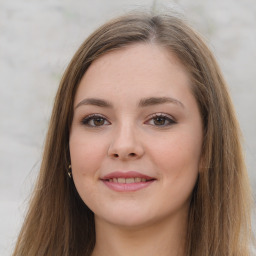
(142,156)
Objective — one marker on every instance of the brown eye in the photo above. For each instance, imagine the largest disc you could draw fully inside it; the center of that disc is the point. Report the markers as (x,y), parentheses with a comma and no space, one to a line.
(98,121)
(95,121)
(161,120)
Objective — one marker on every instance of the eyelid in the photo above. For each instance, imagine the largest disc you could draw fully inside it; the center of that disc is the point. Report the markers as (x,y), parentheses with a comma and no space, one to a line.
(85,120)
(160,114)
(88,118)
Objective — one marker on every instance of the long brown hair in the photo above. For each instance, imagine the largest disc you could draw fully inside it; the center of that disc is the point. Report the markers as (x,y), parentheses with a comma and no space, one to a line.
(59,223)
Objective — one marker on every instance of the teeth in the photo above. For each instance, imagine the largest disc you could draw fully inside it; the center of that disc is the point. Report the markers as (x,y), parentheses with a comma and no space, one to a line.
(137,179)
(121,180)
(127,180)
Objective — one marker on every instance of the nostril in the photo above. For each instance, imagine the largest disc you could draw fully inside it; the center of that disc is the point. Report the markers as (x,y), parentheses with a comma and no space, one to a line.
(116,155)
(132,154)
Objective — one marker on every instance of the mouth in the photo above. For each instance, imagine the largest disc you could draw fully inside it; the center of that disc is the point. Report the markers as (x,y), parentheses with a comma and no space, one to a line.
(127,181)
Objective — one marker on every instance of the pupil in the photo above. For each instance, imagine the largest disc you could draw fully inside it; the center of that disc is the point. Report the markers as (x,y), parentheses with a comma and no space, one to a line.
(159,121)
(98,121)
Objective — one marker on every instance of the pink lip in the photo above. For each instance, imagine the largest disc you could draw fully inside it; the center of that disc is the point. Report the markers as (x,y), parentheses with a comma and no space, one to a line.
(127,187)
(126,175)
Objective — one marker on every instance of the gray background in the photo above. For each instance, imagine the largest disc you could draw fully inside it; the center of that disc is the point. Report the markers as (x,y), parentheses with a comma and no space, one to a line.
(37,40)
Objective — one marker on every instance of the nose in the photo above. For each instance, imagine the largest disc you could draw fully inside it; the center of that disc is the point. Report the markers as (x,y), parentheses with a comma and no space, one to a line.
(126,144)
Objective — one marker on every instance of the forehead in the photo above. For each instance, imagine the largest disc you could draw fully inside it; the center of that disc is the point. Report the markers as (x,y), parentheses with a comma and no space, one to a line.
(134,70)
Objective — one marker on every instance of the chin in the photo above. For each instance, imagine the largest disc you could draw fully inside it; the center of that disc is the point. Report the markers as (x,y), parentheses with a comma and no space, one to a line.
(129,223)
(125,218)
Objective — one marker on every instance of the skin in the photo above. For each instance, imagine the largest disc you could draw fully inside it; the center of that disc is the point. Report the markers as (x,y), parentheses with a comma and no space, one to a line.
(129,137)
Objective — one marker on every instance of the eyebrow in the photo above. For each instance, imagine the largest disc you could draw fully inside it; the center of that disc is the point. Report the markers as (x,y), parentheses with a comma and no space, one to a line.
(158,100)
(143,102)
(94,102)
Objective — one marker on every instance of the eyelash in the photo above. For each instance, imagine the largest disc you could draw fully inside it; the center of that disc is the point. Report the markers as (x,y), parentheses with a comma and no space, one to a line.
(165,117)
(93,117)
(86,121)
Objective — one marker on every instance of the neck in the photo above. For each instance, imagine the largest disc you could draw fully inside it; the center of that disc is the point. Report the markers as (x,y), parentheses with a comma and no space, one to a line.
(162,239)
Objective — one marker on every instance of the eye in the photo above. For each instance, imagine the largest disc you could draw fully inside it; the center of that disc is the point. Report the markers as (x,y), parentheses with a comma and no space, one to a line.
(161,120)
(95,121)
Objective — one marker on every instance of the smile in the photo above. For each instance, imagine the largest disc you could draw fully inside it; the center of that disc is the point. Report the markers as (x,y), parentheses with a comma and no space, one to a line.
(127,181)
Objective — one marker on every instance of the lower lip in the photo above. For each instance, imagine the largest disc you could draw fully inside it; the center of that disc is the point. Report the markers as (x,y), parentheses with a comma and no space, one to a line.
(127,187)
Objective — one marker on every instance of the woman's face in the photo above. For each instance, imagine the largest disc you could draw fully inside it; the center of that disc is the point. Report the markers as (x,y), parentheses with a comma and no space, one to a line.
(136,137)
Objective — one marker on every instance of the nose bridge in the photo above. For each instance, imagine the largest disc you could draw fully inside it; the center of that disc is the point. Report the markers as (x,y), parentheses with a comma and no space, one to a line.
(125,143)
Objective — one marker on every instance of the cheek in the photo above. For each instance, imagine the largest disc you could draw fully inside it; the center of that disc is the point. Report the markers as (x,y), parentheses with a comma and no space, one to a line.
(178,156)
(86,154)
(177,161)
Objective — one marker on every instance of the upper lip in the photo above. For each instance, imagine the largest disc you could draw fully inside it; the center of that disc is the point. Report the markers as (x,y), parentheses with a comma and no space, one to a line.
(126,175)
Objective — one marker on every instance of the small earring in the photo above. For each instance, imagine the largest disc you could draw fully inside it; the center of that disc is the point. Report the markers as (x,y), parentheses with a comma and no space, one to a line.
(69,171)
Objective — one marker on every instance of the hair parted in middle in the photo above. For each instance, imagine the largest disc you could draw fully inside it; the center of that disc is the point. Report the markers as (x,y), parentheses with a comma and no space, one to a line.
(58,221)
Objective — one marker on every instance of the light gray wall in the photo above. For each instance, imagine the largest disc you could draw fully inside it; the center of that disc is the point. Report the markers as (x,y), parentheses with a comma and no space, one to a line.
(37,40)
